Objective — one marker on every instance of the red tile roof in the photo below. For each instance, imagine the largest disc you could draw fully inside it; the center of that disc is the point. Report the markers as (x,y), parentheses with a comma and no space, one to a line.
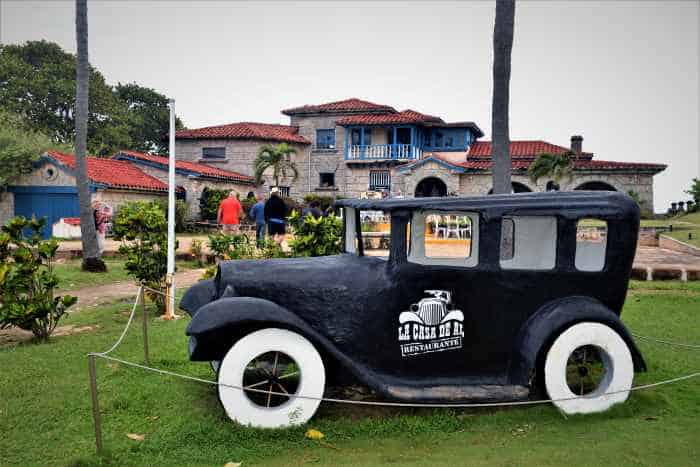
(114,174)
(405,117)
(520,149)
(579,164)
(192,167)
(348,105)
(246,130)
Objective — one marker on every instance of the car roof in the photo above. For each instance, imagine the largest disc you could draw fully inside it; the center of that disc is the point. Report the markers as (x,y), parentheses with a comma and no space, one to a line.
(572,204)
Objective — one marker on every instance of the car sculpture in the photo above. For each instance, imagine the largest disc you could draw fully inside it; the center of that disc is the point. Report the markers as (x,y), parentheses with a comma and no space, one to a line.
(524,302)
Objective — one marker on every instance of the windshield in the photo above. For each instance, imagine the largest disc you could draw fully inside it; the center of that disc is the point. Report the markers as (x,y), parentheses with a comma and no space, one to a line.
(375,228)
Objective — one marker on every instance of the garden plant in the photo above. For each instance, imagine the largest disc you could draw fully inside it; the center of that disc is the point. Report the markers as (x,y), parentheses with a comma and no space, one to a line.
(27,280)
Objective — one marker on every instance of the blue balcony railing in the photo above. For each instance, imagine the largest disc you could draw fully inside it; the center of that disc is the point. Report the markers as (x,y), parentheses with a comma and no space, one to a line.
(383,152)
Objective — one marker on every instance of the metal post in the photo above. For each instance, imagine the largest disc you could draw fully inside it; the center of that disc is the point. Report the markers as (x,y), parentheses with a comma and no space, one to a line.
(95,403)
(170,280)
(145,326)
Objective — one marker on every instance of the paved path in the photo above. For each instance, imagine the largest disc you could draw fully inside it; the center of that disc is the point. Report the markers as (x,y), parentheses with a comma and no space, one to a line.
(662,258)
(107,293)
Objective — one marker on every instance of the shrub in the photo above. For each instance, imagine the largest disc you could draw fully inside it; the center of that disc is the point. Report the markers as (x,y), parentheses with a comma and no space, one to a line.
(196,250)
(27,281)
(271,249)
(209,202)
(315,236)
(231,246)
(143,230)
(324,201)
(180,213)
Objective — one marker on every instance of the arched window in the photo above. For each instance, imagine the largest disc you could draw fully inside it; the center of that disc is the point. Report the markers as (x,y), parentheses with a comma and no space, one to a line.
(596,186)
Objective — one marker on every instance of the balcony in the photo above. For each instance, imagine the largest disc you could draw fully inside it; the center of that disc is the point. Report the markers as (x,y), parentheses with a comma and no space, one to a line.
(376,152)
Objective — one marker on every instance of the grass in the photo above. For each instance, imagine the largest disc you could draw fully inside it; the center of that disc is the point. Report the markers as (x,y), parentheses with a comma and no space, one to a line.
(45,415)
(71,277)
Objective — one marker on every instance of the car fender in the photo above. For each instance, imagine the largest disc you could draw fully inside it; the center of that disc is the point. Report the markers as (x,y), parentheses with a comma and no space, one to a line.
(538,333)
(215,327)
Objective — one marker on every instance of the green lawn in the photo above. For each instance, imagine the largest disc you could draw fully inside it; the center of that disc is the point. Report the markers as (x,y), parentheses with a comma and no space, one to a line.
(71,277)
(45,416)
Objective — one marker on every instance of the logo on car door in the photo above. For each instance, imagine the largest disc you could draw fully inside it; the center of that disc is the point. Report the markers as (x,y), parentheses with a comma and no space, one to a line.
(431,325)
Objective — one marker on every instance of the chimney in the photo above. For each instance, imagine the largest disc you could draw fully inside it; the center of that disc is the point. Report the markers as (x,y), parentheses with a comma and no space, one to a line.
(577,145)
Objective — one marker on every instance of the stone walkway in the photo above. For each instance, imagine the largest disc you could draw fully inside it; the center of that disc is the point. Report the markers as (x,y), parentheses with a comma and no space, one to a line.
(661,258)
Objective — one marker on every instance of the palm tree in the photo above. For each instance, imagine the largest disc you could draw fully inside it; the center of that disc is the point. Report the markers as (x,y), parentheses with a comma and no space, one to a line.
(279,158)
(554,166)
(502,47)
(88,237)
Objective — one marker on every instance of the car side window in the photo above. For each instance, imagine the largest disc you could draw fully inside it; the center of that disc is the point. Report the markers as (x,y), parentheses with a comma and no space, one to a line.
(444,238)
(591,243)
(528,242)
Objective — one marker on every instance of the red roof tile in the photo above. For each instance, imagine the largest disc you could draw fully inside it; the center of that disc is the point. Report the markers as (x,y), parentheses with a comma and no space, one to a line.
(520,149)
(579,164)
(114,174)
(348,105)
(246,130)
(193,167)
(405,117)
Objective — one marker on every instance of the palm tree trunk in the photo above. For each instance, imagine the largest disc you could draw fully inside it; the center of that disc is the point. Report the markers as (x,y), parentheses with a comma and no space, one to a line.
(502,47)
(88,237)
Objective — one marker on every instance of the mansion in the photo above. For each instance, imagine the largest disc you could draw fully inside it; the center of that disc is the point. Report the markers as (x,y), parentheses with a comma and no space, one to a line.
(353,147)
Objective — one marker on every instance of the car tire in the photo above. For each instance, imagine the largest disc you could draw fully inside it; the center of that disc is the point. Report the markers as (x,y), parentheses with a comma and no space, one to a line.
(245,407)
(564,363)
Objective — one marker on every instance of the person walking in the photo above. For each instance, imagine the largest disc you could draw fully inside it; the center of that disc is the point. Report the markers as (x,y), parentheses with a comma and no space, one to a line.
(275,213)
(102,214)
(229,214)
(257,213)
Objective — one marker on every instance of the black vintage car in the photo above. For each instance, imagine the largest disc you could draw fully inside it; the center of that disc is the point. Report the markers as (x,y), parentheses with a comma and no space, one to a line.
(474,299)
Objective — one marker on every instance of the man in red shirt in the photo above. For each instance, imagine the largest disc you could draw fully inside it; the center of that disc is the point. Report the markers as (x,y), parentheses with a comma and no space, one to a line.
(229,214)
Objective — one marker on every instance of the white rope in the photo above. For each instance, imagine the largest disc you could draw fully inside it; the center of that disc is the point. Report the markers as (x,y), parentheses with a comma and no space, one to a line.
(377,403)
(661,341)
(392,404)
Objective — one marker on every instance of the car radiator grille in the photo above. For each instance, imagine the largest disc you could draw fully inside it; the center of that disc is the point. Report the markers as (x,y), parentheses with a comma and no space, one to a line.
(432,313)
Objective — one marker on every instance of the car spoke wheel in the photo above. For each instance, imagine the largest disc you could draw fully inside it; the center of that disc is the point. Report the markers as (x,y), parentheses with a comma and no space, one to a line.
(588,360)
(271,365)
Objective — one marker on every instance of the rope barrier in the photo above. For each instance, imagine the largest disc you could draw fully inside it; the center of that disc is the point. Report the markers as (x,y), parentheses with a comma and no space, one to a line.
(105,355)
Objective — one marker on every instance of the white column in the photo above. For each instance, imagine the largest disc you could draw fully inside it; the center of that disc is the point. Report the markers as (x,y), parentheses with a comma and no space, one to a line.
(170,277)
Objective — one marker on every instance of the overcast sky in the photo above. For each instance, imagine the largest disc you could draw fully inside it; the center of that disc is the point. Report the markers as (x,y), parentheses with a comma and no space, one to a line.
(625,74)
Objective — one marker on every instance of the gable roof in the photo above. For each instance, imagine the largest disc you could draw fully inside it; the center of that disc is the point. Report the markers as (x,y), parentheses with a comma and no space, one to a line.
(111,173)
(406,117)
(520,149)
(352,105)
(185,167)
(246,130)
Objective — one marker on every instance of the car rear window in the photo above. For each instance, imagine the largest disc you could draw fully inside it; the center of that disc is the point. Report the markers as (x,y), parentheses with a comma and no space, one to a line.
(376,232)
(528,242)
(591,243)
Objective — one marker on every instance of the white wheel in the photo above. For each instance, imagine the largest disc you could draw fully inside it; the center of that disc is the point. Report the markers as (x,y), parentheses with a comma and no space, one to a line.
(274,360)
(589,360)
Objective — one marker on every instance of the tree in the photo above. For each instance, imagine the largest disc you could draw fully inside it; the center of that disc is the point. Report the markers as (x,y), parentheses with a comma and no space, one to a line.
(37,82)
(279,158)
(88,235)
(695,190)
(554,166)
(148,117)
(20,147)
(502,47)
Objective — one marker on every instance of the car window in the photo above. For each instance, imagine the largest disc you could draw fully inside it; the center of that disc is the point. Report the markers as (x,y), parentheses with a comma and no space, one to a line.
(528,242)
(444,238)
(376,232)
(591,243)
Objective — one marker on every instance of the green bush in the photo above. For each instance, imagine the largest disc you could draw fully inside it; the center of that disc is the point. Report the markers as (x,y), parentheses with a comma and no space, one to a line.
(315,236)
(180,213)
(271,249)
(324,201)
(209,202)
(27,280)
(143,230)
(231,246)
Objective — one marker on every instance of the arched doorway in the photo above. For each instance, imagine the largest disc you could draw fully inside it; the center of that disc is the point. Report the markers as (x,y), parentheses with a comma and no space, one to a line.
(431,186)
(517,187)
(596,186)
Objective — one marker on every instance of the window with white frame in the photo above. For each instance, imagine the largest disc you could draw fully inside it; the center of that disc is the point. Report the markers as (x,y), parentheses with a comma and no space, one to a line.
(283,190)
(379,180)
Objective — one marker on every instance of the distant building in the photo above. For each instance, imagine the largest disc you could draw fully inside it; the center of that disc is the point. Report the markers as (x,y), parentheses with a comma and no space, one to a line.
(353,146)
